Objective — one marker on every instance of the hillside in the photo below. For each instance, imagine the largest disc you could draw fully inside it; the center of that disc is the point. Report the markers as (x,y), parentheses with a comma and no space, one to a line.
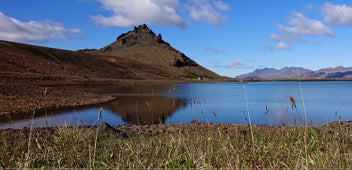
(144,46)
(141,55)
(26,62)
(293,72)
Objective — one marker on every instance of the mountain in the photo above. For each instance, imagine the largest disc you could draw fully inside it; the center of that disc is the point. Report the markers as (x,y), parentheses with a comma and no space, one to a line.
(271,73)
(339,72)
(143,45)
(138,54)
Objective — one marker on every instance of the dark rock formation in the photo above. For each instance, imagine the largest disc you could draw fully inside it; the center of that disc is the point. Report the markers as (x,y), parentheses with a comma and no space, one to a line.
(183,61)
(140,35)
(106,129)
(143,41)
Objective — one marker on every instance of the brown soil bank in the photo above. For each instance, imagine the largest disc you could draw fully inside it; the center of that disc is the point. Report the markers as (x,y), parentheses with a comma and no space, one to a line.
(26,99)
(179,146)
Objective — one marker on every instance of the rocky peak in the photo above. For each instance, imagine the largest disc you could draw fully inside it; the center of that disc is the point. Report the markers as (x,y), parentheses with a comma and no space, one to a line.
(140,35)
(144,45)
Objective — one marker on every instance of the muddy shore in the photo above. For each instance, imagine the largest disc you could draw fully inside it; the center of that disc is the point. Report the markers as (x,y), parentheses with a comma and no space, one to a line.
(25,97)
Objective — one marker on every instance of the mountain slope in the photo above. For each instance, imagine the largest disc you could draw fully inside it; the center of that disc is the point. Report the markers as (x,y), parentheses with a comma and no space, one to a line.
(293,72)
(21,61)
(143,45)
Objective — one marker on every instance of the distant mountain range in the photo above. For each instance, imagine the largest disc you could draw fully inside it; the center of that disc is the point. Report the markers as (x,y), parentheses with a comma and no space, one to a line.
(339,72)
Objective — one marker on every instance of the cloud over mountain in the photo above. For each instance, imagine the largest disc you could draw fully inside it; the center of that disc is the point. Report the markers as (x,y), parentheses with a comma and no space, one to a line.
(12,29)
(207,11)
(337,14)
(214,50)
(301,25)
(134,12)
(233,64)
(298,27)
(127,13)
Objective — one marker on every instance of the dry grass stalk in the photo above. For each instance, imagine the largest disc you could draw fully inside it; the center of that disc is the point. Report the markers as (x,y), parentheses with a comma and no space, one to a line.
(293,102)
(100,113)
(249,117)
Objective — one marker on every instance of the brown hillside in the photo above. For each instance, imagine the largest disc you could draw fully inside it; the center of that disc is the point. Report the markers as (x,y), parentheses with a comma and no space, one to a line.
(27,62)
(144,46)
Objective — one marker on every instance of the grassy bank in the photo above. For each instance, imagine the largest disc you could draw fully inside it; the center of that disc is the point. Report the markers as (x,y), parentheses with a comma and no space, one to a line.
(178,146)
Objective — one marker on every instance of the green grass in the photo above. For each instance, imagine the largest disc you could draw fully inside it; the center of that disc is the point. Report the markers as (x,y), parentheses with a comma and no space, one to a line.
(190,75)
(186,146)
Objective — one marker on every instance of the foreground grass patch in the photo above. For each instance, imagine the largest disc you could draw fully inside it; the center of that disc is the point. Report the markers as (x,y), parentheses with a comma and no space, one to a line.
(177,146)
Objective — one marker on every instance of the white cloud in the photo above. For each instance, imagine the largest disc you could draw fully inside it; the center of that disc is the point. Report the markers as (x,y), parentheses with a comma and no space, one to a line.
(320,42)
(125,13)
(337,14)
(282,45)
(310,6)
(207,11)
(233,64)
(134,12)
(302,25)
(217,64)
(214,50)
(299,27)
(221,5)
(12,29)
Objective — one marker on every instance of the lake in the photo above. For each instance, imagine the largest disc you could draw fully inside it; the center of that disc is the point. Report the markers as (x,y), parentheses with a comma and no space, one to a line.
(263,103)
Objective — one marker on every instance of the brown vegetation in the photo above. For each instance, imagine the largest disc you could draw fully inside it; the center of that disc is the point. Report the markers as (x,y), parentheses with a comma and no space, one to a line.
(179,146)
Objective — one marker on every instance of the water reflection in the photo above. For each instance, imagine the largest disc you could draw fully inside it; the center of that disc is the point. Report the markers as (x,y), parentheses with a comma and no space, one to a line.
(267,102)
(147,109)
(144,109)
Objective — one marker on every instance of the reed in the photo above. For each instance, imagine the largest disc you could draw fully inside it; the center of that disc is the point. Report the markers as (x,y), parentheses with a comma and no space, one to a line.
(100,112)
(249,116)
(28,154)
(305,117)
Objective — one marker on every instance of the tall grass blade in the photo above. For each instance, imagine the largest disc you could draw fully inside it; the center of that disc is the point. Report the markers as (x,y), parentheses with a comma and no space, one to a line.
(249,117)
(305,118)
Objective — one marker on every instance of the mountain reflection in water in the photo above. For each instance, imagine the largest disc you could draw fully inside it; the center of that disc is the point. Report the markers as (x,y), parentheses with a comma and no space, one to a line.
(267,103)
(144,109)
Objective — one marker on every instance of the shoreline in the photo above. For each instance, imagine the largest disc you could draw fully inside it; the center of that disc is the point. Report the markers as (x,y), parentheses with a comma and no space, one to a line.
(24,98)
(157,129)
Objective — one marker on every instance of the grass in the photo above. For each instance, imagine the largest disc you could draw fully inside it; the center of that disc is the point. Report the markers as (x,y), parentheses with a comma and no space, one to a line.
(178,146)
(190,75)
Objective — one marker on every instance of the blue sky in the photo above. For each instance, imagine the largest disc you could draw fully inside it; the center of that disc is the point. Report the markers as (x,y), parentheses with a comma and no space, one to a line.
(228,37)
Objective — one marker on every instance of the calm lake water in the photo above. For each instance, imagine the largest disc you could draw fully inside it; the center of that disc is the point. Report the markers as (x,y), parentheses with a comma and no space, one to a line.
(266,102)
